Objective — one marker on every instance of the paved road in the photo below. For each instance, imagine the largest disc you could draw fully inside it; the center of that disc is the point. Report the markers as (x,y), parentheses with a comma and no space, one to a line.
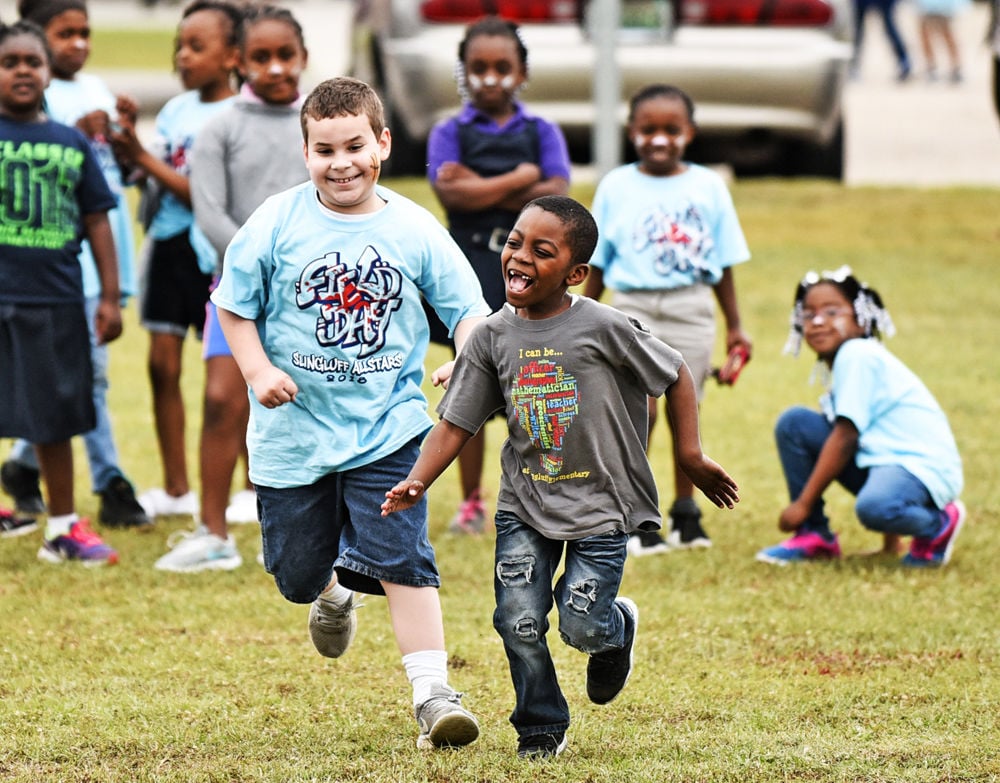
(922,133)
(897,134)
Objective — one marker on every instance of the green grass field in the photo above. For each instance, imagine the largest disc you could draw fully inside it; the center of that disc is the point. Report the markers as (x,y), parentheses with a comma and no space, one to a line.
(850,671)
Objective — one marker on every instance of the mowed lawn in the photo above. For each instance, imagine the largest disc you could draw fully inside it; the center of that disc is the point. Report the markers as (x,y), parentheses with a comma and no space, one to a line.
(850,671)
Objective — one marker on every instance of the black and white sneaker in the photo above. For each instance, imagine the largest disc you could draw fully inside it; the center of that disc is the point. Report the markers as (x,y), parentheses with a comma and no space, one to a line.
(12,525)
(646,542)
(686,531)
(607,672)
(538,747)
(119,506)
(21,482)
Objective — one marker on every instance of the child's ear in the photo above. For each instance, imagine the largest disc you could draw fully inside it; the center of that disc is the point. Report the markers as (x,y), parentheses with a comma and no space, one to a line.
(577,274)
(385,144)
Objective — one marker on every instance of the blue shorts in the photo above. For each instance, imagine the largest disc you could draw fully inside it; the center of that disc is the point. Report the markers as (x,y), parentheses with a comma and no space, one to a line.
(337,523)
(213,340)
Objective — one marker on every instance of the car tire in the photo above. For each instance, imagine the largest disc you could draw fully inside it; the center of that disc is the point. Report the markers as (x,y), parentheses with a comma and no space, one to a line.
(818,160)
(408,156)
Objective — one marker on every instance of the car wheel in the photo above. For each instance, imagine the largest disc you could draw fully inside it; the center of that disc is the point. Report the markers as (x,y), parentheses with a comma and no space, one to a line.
(816,160)
(408,156)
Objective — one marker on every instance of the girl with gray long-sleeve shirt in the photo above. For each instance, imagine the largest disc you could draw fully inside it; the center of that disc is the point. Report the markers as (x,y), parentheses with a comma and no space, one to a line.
(243,155)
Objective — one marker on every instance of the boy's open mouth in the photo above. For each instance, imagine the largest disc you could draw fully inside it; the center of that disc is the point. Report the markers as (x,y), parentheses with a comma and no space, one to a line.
(517,282)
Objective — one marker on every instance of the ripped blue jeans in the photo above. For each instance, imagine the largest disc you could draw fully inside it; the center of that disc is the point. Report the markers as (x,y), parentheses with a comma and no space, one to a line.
(584,596)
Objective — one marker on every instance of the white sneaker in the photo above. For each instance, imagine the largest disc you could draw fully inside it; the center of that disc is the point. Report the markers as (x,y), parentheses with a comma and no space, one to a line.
(242,508)
(199,550)
(157,503)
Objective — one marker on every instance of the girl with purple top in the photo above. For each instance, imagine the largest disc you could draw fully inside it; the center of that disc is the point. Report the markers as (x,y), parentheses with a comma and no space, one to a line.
(484,165)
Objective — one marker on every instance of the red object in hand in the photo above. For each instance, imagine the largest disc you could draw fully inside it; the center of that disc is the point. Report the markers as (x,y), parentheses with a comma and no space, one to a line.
(735,362)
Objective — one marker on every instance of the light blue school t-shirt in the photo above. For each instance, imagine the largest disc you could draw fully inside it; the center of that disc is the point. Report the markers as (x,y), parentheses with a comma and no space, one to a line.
(898,420)
(66,101)
(665,232)
(337,304)
(177,126)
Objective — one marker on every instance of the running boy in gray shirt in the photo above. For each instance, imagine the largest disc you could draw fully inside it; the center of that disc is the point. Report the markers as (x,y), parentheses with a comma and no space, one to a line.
(572,376)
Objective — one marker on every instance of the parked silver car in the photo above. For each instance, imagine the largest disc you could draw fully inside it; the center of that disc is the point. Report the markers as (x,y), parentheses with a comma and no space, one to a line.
(766,76)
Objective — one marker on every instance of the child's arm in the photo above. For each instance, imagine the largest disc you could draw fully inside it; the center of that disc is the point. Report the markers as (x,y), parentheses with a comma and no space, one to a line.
(838,450)
(707,475)
(460,189)
(130,150)
(442,374)
(553,186)
(439,450)
(594,287)
(271,386)
(725,293)
(108,321)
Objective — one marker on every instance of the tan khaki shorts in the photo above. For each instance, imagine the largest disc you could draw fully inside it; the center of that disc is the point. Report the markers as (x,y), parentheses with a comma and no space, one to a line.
(684,318)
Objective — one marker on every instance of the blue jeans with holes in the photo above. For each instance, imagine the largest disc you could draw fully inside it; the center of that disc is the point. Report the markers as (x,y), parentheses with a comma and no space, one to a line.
(584,596)
(890,499)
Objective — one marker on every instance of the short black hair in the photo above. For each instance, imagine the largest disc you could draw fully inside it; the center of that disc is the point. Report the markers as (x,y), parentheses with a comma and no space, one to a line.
(581,228)
(27,27)
(41,12)
(494,25)
(266,12)
(652,91)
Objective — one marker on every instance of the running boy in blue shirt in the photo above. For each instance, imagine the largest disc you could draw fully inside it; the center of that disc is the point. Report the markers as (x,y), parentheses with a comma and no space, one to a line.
(319,300)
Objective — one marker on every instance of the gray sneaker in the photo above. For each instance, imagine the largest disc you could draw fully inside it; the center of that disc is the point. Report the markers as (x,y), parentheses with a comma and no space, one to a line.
(443,722)
(332,627)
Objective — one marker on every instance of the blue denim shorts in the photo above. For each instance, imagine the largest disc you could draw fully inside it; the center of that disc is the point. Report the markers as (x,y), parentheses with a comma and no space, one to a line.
(337,523)
(213,340)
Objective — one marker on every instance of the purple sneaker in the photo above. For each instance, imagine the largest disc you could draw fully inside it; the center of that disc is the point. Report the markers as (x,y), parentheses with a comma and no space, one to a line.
(800,547)
(82,544)
(936,552)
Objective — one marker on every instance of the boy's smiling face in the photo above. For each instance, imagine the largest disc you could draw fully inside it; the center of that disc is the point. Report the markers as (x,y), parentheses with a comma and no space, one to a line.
(538,265)
(344,158)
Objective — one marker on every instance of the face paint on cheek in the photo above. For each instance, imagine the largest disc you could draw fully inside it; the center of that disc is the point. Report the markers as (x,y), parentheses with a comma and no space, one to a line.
(841,324)
(376,166)
(640,140)
(507,82)
(475,82)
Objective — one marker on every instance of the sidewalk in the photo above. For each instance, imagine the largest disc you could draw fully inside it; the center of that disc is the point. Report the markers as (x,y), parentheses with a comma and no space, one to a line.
(921,133)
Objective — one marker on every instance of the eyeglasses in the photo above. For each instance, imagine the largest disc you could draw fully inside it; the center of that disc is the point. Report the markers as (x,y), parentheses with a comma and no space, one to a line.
(825,314)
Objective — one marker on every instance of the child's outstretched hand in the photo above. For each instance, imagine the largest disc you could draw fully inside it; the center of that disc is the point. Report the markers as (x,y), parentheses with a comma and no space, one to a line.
(273,387)
(442,374)
(402,496)
(712,479)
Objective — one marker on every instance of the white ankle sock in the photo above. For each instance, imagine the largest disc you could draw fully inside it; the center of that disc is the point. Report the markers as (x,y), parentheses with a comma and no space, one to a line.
(59,526)
(424,669)
(336,595)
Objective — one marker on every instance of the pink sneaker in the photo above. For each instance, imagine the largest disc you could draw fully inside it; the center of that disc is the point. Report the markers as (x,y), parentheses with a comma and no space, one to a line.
(81,544)
(801,547)
(936,552)
(470,517)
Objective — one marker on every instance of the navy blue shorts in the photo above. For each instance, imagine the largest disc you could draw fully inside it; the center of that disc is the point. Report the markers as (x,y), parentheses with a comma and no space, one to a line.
(337,523)
(175,289)
(47,394)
